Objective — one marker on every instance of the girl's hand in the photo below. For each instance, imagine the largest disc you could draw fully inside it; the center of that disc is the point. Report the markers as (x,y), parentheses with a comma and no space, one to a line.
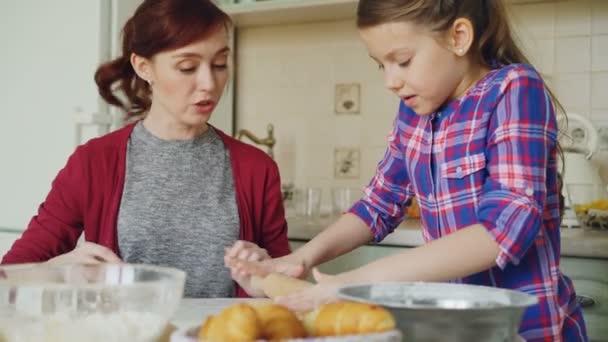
(325,291)
(289,265)
(86,253)
(248,251)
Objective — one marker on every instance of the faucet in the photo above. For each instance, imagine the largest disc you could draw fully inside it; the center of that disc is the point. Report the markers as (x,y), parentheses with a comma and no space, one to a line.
(269,141)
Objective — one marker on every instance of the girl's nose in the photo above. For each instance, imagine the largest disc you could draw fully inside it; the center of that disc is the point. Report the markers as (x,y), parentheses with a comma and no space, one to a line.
(392,81)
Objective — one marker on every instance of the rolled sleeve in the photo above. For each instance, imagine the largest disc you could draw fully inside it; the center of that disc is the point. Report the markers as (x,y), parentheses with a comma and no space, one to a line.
(512,219)
(389,192)
(520,150)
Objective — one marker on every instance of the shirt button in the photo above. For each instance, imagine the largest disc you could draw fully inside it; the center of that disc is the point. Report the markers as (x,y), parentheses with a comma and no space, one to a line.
(529,191)
(459,170)
(431,198)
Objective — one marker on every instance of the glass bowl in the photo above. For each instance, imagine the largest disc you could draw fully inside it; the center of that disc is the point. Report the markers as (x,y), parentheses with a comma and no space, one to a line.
(590,205)
(105,302)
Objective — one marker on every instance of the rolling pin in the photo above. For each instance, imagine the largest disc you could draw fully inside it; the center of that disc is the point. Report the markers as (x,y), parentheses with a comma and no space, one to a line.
(272,284)
(276,285)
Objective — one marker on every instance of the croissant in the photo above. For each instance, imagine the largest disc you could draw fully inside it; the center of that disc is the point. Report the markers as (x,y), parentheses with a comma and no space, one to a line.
(279,323)
(238,322)
(348,318)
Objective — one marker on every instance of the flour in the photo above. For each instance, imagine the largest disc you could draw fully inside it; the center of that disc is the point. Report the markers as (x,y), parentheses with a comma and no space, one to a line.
(120,326)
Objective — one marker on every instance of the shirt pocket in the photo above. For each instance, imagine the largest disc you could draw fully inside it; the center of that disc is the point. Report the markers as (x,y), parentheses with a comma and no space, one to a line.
(464,166)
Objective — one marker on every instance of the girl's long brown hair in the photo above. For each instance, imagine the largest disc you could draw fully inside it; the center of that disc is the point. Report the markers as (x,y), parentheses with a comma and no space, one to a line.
(493,43)
(156,26)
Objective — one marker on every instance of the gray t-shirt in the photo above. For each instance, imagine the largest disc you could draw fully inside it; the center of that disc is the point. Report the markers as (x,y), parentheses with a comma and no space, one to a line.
(179,208)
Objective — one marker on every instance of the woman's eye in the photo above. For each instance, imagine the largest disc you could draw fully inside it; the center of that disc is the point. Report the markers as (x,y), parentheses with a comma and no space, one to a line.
(380,66)
(220,66)
(404,64)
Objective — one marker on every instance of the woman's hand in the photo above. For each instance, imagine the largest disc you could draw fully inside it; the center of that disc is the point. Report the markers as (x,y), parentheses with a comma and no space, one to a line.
(245,250)
(248,251)
(86,253)
(325,291)
(290,265)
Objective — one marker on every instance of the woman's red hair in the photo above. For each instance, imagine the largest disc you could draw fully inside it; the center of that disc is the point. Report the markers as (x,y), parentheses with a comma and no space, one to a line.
(156,26)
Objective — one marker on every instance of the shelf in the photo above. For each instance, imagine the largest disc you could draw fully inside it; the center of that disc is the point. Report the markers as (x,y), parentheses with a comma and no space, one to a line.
(281,12)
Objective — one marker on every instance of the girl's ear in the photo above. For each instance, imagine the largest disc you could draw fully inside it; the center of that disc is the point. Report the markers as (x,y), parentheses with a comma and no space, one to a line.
(461,36)
(142,67)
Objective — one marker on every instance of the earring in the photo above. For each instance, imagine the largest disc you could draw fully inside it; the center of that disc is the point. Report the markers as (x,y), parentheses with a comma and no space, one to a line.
(460,51)
(149,82)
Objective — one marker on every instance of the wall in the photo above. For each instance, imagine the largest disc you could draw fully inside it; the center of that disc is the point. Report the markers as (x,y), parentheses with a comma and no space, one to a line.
(568,42)
(48,58)
(286,76)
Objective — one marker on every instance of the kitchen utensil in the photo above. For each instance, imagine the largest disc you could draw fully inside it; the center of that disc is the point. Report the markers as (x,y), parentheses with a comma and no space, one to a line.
(590,204)
(580,143)
(343,198)
(447,312)
(189,335)
(272,284)
(105,302)
(308,203)
(206,307)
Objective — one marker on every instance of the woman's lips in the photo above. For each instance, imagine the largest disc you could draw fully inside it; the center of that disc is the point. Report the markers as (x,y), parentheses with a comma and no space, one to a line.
(204,107)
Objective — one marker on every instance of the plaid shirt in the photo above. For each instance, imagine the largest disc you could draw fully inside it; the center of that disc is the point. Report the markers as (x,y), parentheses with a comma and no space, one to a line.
(488,158)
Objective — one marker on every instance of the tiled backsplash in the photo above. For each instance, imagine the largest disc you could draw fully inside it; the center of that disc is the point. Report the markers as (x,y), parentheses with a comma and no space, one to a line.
(287,76)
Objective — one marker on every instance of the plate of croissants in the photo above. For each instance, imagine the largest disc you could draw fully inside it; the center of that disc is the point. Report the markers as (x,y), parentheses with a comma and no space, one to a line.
(338,321)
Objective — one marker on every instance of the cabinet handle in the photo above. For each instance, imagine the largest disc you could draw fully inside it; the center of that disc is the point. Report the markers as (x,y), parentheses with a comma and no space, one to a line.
(585,301)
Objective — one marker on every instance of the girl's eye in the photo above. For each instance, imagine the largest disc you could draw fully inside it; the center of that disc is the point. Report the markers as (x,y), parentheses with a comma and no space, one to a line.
(404,64)
(187,70)
(220,66)
(380,66)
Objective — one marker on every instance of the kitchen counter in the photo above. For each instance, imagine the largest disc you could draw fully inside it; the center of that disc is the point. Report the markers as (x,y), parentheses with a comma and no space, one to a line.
(574,242)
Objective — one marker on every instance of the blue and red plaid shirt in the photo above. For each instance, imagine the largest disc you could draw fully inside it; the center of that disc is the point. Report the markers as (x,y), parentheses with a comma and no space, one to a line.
(489,158)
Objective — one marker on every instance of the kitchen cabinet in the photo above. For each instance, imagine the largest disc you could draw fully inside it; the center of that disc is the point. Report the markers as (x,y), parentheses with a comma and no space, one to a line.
(50,51)
(279,12)
(589,275)
(590,278)
(353,259)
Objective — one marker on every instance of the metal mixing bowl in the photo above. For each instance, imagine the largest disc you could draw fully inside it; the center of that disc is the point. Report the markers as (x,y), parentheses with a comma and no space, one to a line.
(447,312)
(106,302)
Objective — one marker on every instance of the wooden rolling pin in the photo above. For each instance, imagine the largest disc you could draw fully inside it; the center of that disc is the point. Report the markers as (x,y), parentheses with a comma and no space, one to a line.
(272,284)
(277,285)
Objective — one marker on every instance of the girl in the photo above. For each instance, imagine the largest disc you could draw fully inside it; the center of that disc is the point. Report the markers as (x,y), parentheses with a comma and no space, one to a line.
(475,140)
(170,189)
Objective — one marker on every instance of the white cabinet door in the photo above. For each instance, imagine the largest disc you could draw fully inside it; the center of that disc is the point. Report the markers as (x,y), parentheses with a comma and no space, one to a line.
(6,241)
(49,53)
(50,50)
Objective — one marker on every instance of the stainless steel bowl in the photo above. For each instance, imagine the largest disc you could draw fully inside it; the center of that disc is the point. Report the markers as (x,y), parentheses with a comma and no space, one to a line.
(447,312)
(106,302)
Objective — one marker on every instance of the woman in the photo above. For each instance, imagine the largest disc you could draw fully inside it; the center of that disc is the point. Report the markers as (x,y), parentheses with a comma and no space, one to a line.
(168,189)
